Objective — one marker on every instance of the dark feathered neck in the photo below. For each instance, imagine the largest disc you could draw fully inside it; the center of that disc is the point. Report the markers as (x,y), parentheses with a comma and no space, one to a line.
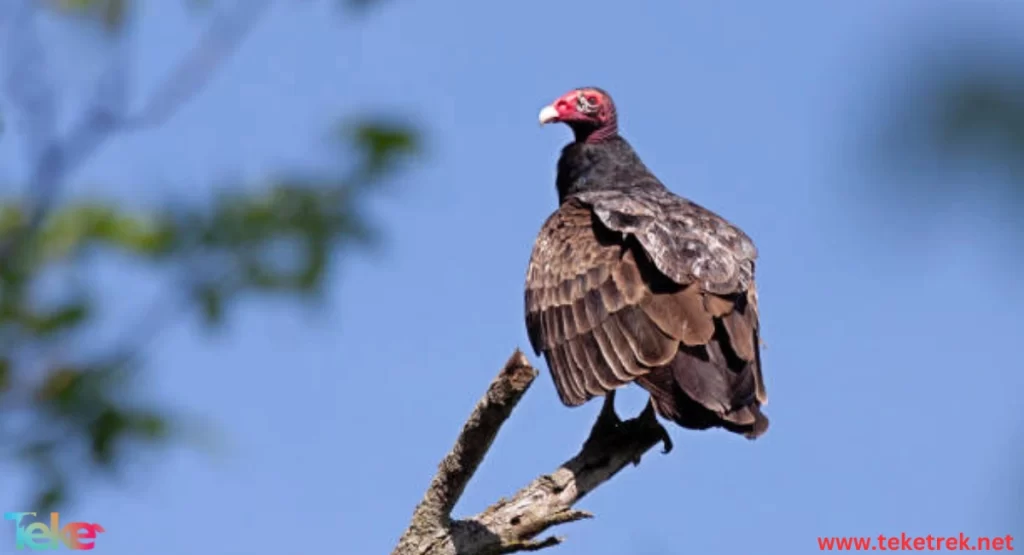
(611,164)
(585,132)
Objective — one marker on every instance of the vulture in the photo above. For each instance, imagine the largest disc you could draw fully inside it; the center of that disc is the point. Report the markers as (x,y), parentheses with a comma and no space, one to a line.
(628,282)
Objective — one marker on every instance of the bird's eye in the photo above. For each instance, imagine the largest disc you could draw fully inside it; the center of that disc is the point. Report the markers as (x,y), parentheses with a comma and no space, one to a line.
(586,104)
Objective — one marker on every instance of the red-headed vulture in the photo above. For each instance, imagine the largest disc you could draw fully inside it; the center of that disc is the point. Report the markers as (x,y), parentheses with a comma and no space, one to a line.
(628,282)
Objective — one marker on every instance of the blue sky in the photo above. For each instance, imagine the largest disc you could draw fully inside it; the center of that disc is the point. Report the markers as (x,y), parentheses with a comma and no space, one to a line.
(892,396)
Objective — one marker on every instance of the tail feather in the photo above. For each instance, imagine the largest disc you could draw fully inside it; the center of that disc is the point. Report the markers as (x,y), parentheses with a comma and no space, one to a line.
(698,394)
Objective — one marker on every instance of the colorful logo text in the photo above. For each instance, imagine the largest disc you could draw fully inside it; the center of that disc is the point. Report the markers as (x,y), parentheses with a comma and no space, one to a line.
(37,535)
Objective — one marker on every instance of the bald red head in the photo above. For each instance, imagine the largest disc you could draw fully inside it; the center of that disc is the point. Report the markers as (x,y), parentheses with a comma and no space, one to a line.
(589,111)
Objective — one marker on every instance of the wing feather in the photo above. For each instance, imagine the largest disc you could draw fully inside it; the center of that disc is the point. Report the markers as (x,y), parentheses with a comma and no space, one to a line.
(609,301)
(611,297)
(682,315)
(627,280)
(741,334)
(574,390)
(623,349)
(650,345)
(618,360)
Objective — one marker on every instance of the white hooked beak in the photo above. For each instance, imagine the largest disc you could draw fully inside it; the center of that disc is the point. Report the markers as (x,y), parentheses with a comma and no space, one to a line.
(548,115)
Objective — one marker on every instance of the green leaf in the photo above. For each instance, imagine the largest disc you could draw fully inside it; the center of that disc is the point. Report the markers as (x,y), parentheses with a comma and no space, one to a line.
(104,432)
(77,5)
(49,498)
(74,227)
(62,389)
(11,218)
(65,317)
(137,234)
(212,303)
(110,13)
(5,374)
(114,14)
(383,144)
(148,425)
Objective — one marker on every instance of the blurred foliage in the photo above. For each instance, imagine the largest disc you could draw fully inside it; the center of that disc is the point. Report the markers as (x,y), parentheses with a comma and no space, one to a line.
(112,14)
(62,403)
(964,108)
(229,249)
(985,107)
(959,107)
(961,103)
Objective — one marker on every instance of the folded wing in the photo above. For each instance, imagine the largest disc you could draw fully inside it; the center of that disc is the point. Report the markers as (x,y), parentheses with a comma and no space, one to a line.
(622,290)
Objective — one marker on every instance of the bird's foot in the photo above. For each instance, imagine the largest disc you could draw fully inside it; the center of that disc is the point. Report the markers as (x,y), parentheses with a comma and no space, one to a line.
(609,428)
(646,425)
(649,421)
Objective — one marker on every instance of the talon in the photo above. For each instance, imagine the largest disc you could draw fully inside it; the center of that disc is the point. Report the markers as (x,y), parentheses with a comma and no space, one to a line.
(649,419)
(665,441)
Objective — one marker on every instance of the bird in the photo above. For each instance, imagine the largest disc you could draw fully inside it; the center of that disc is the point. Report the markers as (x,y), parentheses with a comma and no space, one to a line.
(629,282)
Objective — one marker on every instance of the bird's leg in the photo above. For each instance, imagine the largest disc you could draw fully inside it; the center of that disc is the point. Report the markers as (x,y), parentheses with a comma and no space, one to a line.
(608,418)
(608,422)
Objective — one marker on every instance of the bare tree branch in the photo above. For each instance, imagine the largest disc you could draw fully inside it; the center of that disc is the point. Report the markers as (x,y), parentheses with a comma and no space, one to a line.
(221,38)
(510,525)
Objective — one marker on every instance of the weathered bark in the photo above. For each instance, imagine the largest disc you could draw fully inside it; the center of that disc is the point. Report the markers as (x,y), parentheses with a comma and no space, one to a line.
(511,525)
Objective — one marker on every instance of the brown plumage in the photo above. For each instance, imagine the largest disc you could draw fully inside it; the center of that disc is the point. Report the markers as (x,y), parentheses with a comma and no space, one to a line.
(630,283)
